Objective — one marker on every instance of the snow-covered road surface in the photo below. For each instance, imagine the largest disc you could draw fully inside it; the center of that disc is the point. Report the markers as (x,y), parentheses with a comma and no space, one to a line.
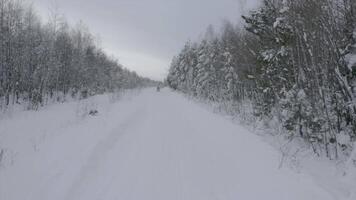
(154,146)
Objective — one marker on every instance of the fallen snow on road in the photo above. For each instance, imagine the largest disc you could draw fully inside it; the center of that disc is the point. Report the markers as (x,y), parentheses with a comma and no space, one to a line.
(153,146)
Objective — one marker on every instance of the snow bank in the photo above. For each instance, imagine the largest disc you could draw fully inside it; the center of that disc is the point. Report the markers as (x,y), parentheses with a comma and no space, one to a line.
(335,176)
(38,146)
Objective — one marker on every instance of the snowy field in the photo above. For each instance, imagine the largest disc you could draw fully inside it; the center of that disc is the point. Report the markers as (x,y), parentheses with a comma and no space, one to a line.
(146,146)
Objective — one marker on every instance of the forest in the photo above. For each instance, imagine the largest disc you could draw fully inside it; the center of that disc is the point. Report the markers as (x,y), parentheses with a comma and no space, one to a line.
(260,105)
(293,62)
(49,62)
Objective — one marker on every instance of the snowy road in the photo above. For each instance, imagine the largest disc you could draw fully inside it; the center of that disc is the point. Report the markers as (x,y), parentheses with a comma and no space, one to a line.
(155,146)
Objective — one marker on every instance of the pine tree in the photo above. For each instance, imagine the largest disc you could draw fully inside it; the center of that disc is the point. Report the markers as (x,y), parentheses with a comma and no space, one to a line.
(275,70)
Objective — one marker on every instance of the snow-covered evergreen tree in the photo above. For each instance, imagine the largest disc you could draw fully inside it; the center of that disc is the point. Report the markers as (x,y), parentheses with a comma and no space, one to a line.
(275,70)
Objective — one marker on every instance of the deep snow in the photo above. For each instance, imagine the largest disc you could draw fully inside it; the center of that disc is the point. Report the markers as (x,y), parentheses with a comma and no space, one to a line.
(147,146)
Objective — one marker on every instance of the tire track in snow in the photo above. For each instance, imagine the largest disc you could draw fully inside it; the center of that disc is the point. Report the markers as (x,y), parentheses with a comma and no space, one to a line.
(100,153)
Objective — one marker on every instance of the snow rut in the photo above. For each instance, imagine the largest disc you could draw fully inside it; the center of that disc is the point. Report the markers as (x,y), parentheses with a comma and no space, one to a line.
(100,154)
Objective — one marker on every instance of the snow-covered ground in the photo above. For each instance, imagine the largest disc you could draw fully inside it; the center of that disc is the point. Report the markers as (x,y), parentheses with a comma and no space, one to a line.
(147,146)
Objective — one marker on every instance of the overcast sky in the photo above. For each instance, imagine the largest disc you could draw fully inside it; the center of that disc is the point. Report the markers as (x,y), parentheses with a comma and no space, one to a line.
(144,35)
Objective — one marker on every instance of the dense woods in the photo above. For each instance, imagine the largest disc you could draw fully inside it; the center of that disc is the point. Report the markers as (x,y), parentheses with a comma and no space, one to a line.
(294,61)
(42,62)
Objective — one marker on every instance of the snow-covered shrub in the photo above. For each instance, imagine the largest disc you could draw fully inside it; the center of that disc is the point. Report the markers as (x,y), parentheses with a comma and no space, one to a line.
(86,107)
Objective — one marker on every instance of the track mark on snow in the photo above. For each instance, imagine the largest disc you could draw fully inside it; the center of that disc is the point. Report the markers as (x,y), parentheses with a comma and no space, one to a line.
(100,154)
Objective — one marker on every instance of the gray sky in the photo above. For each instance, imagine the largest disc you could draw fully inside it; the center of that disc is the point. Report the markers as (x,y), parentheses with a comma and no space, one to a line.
(144,35)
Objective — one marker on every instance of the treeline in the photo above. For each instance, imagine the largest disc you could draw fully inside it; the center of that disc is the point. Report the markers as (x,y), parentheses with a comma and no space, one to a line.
(295,61)
(41,62)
